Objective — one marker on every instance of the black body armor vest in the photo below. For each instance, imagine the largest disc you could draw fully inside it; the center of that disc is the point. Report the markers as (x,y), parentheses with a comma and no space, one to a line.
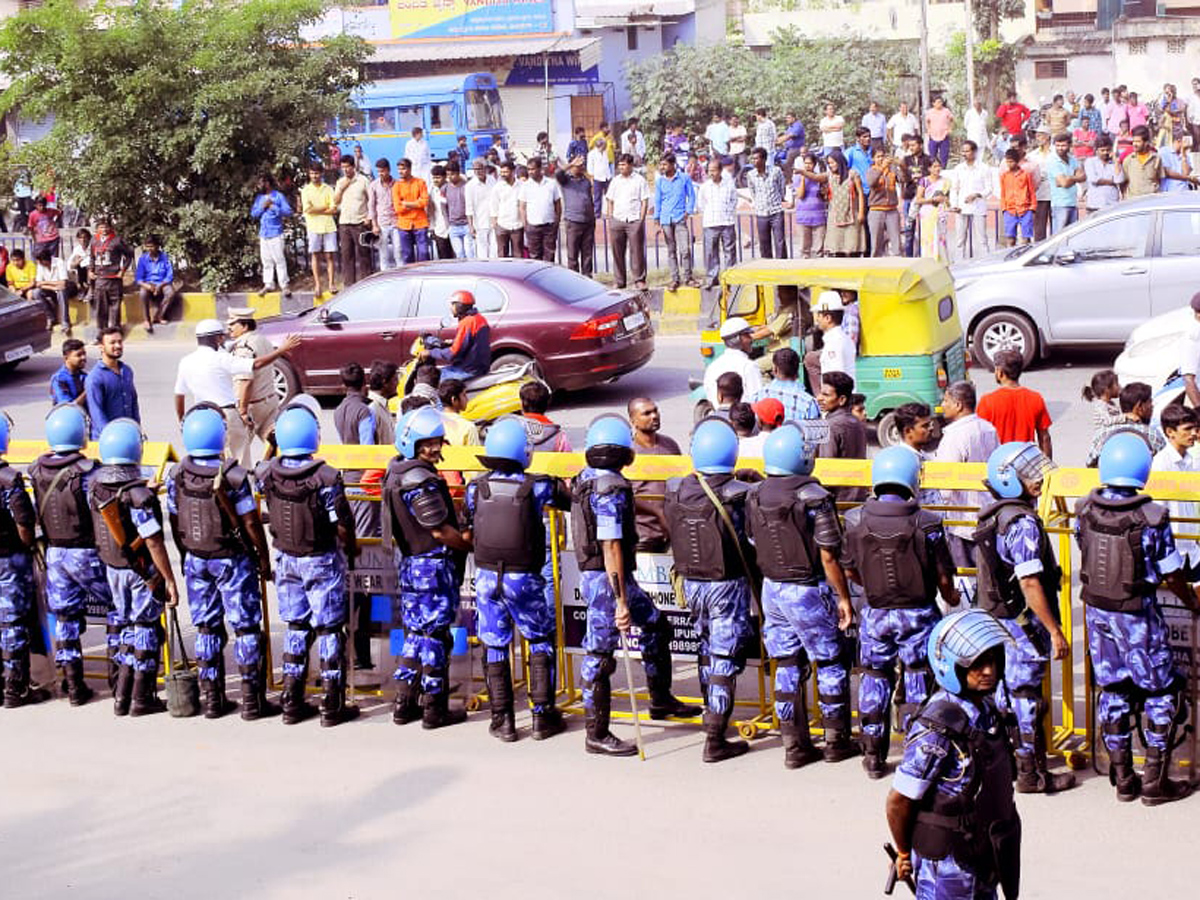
(777,521)
(399,524)
(1112,569)
(889,543)
(704,550)
(998,590)
(508,529)
(583,521)
(300,525)
(61,499)
(123,486)
(204,527)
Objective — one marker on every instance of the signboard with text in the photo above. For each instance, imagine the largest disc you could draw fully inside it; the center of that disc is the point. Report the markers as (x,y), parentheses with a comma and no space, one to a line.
(412,19)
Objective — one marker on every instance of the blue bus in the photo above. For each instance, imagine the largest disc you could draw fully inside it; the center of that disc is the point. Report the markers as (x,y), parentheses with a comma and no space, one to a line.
(445,106)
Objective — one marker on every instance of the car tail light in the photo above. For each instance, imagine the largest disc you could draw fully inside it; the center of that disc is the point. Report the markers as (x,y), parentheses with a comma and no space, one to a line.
(942,378)
(598,327)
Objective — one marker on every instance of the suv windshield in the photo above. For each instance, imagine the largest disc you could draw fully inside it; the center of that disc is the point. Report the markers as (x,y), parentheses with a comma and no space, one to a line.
(565,285)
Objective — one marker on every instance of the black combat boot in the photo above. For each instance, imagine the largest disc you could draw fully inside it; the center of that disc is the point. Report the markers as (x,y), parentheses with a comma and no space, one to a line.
(548,722)
(1157,788)
(1033,777)
(17,691)
(716,747)
(664,704)
(334,709)
(798,749)
(221,704)
(875,750)
(1122,776)
(838,745)
(146,701)
(407,705)
(77,688)
(437,712)
(122,690)
(255,704)
(598,738)
(500,698)
(295,708)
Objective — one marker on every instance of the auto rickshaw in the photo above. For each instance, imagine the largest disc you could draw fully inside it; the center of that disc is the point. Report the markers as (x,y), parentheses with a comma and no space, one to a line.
(911,342)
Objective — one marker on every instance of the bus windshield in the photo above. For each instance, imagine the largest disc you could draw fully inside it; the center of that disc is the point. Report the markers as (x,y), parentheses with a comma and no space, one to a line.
(484,112)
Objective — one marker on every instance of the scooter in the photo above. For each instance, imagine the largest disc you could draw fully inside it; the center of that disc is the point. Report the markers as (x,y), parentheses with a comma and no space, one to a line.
(489,396)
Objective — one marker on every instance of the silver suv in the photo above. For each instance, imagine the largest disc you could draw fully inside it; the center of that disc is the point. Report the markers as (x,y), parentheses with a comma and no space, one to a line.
(1091,284)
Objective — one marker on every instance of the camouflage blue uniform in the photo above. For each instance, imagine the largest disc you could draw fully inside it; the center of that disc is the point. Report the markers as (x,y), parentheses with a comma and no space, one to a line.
(136,610)
(72,575)
(220,588)
(1132,648)
(800,619)
(602,637)
(523,597)
(16,572)
(932,762)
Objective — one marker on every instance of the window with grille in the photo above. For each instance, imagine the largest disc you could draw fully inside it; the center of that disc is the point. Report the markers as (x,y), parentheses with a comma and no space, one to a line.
(1050,68)
(1177,45)
(1138,46)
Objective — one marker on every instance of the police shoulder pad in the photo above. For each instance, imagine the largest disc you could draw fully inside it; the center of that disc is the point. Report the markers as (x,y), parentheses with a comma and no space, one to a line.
(610,483)
(813,493)
(946,717)
(1157,514)
(415,476)
(235,475)
(9,477)
(929,521)
(140,496)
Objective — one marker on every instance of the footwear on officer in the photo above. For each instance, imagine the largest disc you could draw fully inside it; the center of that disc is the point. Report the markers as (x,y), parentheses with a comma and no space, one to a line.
(311,524)
(1018,583)
(793,523)
(214,517)
(951,808)
(17,522)
(419,517)
(504,521)
(1127,550)
(706,515)
(140,579)
(898,553)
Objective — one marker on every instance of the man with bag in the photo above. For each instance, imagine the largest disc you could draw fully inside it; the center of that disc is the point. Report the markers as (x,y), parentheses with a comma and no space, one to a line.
(706,513)
(128,524)
(215,520)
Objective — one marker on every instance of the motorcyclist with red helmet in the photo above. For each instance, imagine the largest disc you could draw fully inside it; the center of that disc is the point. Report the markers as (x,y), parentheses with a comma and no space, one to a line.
(470,355)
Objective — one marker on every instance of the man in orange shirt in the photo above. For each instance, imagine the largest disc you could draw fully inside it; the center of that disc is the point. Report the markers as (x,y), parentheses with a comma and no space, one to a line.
(1018,413)
(410,197)
(1018,198)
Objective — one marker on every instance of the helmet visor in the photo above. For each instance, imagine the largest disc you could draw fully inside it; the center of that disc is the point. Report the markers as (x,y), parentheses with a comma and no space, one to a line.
(1031,465)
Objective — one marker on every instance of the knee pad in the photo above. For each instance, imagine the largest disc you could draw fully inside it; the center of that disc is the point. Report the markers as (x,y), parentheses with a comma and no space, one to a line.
(606,664)
(822,697)
(797,660)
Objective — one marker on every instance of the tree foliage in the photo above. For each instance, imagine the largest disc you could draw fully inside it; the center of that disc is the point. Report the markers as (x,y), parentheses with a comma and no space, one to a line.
(164,117)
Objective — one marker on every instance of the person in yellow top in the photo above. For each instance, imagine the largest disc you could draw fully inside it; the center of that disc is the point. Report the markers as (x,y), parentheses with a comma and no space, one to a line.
(604,134)
(319,209)
(21,274)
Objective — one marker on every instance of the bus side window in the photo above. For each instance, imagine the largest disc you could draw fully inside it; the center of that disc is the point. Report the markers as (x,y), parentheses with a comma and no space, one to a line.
(441,117)
(352,123)
(382,120)
(410,117)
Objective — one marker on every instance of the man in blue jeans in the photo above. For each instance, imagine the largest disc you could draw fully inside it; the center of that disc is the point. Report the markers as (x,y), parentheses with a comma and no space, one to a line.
(674,201)
(1065,174)
(767,187)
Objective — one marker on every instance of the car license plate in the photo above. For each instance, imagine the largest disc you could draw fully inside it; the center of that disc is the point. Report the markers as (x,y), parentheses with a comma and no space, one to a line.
(22,352)
(635,321)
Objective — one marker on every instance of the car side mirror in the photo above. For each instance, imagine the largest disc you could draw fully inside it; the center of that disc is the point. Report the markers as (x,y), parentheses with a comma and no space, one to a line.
(323,314)
(1065,258)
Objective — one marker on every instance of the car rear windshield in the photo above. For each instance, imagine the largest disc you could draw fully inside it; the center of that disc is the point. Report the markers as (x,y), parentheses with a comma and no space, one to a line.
(565,285)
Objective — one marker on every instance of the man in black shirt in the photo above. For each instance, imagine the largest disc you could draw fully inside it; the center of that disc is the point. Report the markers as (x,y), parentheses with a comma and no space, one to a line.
(913,166)
(579,211)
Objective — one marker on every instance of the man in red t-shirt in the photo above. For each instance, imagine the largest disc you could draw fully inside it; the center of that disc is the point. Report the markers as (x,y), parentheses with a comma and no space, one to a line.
(1012,115)
(1018,413)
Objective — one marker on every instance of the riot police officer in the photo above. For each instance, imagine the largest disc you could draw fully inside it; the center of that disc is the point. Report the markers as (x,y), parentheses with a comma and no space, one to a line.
(128,524)
(309,518)
(792,521)
(74,571)
(16,579)
(1127,551)
(951,811)
(706,515)
(604,533)
(217,529)
(1018,584)
(504,522)
(898,553)
(419,516)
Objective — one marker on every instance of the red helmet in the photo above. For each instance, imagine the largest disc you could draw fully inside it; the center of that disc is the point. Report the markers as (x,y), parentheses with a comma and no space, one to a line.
(466,298)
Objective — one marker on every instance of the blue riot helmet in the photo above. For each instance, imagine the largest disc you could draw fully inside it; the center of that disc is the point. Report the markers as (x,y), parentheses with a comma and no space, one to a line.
(714,447)
(609,443)
(66,428)
(6,424)
(959,640)
(297,433)
(204,431)
(1016,467)
(506,445)
(121,443)
(791,449)
(896,466)
(416,425)
(1125,460)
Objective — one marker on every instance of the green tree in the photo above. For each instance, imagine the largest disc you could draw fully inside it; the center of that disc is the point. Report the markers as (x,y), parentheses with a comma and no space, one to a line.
(164,117)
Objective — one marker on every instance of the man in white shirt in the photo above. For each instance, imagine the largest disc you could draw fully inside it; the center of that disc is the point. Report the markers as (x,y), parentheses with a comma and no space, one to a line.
(875,122)
(1104,177)
(976,124)
(633,142)
(1192,114)
(50,287)
(416,151)
(972,185)
(540,203)
(506,214)
(737,141)
(479,212)
(837,353)
(1040,156)
(901,123)
(716,201)
(832,130)
(626,204)
(737,335)
(764,131)
(599,169)
(1179,425)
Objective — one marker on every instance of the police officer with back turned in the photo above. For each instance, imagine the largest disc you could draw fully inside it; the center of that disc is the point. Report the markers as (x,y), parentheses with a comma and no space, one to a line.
(1018,584)
(504,522)
(951,810)
(793,523)
(418,515)
(217,529)
(309,518)
(898,553)
(706,514)
(604,533)
(1127,551)
(74,571)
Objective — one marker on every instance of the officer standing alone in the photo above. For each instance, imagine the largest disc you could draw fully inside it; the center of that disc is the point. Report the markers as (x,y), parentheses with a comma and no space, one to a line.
(74,571)
(1018,584)
(220,538)
(504,522)
(793,523)
(1127,551)
(898,553)
(706,513)
(418,515)
(310,524)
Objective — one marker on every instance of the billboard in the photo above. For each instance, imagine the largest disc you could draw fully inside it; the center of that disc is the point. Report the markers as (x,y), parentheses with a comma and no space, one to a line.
(412,19)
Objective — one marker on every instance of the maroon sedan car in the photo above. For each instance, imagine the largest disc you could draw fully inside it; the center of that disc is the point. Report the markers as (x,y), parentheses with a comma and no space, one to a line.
(577,331)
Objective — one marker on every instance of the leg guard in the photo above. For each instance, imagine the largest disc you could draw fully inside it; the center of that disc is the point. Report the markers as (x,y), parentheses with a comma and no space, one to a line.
(500,697)
(17,691)
(1033,775)
(833,695)
(123,683)
(77,688)
(918,685)
(1157,788)
(716,747)
(664,704)
(1122,776)
(798,749)
(145,694)
(255,704)
(406,707)
(598,738)
(334,710)
(876,723)
(112,650)
(547,720)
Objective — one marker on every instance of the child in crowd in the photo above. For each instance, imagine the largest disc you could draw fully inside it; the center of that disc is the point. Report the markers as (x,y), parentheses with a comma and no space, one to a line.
(1102,393)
